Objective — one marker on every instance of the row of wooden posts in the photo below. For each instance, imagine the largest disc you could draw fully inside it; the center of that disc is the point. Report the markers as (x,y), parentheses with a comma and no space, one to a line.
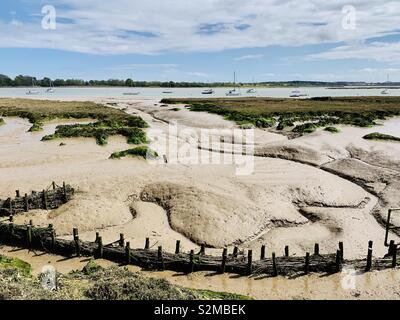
(339,257)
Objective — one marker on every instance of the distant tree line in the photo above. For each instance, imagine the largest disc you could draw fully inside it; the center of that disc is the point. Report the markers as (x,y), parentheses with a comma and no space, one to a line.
(27,81)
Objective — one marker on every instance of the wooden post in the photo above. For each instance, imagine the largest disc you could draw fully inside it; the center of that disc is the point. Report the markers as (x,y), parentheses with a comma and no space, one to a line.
(147,244)
(26,202)
(191,261)
(224,257)
(391,246)
(11,218)
(31,222)
(17,193)
(316,249)
(161,258)
(65,192)
(262,256)
(177,246)
(307,264)
(249,262)
(10,205)
(99,248)
(53,237)
(54,185)
(77,246)
(29,235)
(75,233)
(121,240)
(287,251)
(44,199)
(341,249)
(369,257)
(202,250)
(235,252)
(128,253)
(394,256)
(274,266)
(338,261)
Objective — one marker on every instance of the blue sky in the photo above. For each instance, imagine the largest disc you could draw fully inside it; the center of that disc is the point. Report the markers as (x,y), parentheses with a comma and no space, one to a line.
(262,40)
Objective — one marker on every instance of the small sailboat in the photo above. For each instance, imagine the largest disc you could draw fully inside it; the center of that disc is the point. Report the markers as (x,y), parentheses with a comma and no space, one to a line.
(385,92)
(251,91)
(233,92)
(208,91)
(50,89)
(32,91)
(297,94)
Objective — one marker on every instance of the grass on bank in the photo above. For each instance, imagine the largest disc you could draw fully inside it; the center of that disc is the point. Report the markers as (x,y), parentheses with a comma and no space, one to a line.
(108,121)
(96,283)
(311,113)
(15,263)
(332,129)
(142,152)
(381,136)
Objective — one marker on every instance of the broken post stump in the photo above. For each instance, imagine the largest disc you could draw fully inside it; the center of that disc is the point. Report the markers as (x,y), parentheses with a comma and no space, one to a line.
(147,244)
(249,262)
(369,257)
(287,251)
(262,256)
(274,266)
(177,246)
(128,253)
(316,249)
(224,257)
(121,241)
(307,264)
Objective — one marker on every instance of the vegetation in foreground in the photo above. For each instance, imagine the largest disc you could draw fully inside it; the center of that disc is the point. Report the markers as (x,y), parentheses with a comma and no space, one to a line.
(108,121)
(143,152)
(332,129)
(1,121)
(381,136)
(94,283)
(298,115)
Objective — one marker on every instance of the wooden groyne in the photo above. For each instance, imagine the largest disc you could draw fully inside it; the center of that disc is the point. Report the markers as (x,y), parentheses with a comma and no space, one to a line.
(51,198)
(45,239)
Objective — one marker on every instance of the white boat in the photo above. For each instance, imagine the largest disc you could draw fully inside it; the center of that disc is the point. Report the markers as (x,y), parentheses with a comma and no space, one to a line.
(50,90)
(385,91)
(297,94)
(208,91)
(32,91)
(167,92)
(252,90)
(233,92)
(131,93)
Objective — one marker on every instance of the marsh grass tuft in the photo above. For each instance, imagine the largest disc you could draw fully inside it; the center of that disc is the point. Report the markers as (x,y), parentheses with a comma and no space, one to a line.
(381,136)
(142,152)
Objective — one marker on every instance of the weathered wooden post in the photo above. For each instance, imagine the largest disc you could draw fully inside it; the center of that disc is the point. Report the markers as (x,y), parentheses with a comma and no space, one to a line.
(121,241)
(17,193)
(52,236)
(10,205)
(224,257)
(191,261)
(177,246)
(53,185)
(307,264)
(128,253)
(11,218)
(369,257)
(65,193)
(287,251)
(274,266)
(44,199)
(341,249)
(75,233)
(202,250)
(235,252)
(31,222)
(26,203)
(29,235)
(160,258)
(394,256)
(391,246)
(338,261)
(99,248)
(147,244)
(249,262)
(316,249)
(97,237)
(262,256)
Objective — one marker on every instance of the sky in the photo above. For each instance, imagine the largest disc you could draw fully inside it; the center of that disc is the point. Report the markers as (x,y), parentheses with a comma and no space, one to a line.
(202,40)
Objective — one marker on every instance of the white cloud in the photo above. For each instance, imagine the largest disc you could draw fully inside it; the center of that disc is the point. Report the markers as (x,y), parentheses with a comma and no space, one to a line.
(157,26)
(249,57)
(198,74)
